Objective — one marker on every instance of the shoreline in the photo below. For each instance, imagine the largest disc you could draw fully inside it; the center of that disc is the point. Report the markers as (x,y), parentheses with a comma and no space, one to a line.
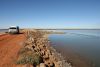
(56,52)
(74,58)
(37,44)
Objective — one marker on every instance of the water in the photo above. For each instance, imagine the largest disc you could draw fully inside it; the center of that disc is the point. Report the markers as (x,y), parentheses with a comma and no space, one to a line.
(3,30)
(84,42)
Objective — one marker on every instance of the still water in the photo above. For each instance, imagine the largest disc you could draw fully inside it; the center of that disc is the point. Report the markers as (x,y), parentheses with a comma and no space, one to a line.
(84,42)
(3,30)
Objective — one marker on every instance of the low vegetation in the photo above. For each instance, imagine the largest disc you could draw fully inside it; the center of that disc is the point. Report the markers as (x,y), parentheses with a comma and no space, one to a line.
(28,57)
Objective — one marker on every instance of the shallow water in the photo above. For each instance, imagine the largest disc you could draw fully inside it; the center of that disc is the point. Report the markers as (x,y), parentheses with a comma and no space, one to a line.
(84,42)
(3,30)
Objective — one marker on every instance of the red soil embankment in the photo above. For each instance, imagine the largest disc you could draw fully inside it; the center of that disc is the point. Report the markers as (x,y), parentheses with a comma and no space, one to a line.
(9,47)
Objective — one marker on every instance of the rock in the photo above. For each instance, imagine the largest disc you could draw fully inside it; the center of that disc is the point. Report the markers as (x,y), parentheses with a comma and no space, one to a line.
(51,64)
(42,65)
(38,66)
(42,52)
(59,63)
(48,52)
(38,42)
(46,56)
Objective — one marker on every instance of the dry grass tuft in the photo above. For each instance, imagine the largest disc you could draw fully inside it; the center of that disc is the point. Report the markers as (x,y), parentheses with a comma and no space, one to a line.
(26,56)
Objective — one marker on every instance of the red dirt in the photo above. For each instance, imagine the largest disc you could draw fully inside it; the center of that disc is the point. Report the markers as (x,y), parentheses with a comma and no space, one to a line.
(9,47)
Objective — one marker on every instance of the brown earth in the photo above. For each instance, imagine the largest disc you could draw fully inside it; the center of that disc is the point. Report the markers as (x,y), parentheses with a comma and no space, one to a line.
(9,47)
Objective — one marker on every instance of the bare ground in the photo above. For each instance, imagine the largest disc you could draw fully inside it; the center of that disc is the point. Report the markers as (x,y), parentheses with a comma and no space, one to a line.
(9,47)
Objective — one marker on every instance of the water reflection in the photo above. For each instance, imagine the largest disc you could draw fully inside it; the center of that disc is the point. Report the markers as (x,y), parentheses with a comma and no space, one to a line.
(87,45)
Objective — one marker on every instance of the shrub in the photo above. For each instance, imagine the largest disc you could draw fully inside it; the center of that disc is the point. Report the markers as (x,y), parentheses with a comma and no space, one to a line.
(29,58)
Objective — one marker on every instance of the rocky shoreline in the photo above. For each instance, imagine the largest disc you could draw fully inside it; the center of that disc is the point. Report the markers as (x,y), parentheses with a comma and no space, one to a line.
(37,52)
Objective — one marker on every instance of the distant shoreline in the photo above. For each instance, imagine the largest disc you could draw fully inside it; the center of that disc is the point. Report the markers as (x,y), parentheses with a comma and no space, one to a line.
(54,29)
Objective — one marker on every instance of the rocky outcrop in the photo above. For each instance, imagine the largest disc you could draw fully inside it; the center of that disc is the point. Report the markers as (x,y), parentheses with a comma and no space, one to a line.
(37,43)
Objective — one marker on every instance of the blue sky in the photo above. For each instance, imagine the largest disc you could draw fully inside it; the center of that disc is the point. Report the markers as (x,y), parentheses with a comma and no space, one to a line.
(50,13)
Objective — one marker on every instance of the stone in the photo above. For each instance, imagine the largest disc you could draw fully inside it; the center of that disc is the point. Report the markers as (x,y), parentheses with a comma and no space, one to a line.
(42,65)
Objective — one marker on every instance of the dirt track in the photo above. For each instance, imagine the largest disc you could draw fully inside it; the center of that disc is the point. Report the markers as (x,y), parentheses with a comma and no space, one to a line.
(9,47)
